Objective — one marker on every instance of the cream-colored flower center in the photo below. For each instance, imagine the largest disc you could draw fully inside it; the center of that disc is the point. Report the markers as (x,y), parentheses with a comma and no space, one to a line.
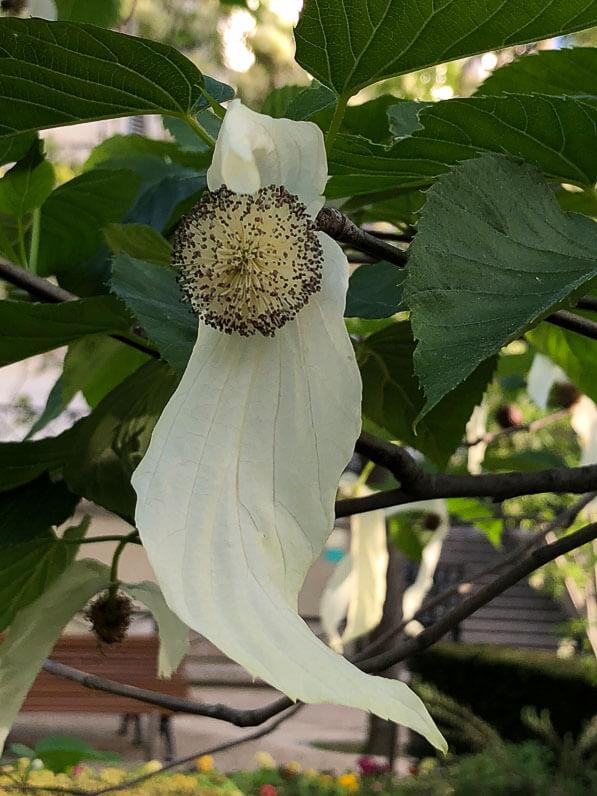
(248,263)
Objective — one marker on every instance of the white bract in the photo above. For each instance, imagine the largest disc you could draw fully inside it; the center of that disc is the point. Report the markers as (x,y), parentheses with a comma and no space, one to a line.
(236,491)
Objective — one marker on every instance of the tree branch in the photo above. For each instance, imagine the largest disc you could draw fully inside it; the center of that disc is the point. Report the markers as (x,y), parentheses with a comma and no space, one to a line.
(535,425)
(341,228)
(563,520)
(415,484)
(573,323)
(43,290)
(587,303)
(238,717)
(535,560)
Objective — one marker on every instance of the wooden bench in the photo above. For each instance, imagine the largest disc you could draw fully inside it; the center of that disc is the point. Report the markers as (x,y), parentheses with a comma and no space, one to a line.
(133,662)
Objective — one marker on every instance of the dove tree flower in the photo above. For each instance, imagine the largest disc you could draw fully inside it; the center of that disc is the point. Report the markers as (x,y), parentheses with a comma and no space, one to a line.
(236,491)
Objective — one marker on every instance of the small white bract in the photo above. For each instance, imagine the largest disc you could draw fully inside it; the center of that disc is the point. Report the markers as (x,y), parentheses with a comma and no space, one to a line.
(236,491)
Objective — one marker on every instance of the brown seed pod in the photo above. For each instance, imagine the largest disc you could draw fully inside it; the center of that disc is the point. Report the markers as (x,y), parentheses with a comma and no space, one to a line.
(564,394)
(508,416)
(110,616)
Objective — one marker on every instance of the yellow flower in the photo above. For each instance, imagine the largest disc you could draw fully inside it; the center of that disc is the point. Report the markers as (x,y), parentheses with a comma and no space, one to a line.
(113,776)
(310,772)
(151,767)
(326,779)
(293,767)
(183,782)
(349,781)
(264,760)
(204,763)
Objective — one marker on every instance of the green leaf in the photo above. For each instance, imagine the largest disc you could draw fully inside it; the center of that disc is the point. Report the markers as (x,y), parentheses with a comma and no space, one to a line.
(521,461)
(557,134)
(560,72)
(277,101)
(29,510)
(139,241)
(375,291)
(26,570)
(186,138)
(393,399)
(13,148)
(21,462)
(106,13)
(474,512)
(133,145)
(155,298)
(20,750)
(28,329)
(574,353)
(403,117)
(349,44)
(404,537)
(95,74)
(73,215)
(95,365)
(493,256)
(60,753)
(111,442)
(310,101)
(54,407)
(28,184)
(36,628)
(370,119)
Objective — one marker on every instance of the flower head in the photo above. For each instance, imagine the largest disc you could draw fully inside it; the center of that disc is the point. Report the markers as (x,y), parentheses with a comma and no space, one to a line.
(236,491)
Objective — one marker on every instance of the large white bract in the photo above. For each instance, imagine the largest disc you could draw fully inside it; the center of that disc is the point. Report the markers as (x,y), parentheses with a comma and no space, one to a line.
(236,491)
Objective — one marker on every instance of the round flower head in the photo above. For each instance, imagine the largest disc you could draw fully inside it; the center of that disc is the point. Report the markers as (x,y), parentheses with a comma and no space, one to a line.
(235,495)
(248,263)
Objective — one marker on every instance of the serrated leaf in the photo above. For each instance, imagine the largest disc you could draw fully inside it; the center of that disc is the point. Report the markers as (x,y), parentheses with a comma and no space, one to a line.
(557,134)
(574,353)
(21,462)
(106,13)
(558,72)
(73,215)
(28,329)
(349,44)
(494,254)
(154,296)
(277,101)
(403,117)
(29,510)
(174,634)
(375,291)
(110,442)
(393,399)
(139,241)
(36,628)
(27,185)
(27,569)
(95,74)
(310,101)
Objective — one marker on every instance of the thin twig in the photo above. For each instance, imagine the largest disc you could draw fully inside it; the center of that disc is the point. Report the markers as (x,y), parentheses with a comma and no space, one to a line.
(180,761)
(535,560)
(535,425)
(587,303)
(342,229)
(574,323)
(43,290)
(238,717)
(563,520)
